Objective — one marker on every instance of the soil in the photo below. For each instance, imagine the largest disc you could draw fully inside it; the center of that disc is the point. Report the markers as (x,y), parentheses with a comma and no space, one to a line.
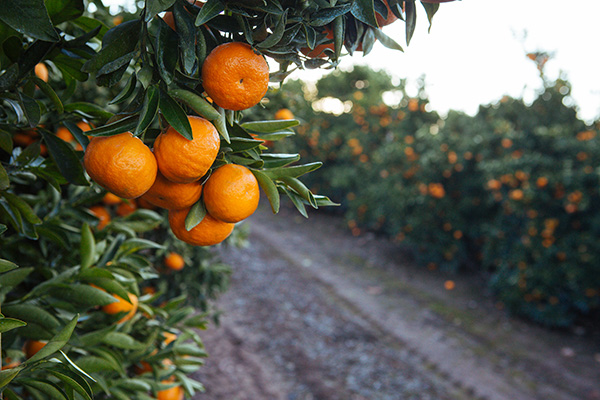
(316,313)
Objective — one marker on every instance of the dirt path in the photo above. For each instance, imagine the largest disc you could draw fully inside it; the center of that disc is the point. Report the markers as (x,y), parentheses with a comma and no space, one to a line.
(314,313)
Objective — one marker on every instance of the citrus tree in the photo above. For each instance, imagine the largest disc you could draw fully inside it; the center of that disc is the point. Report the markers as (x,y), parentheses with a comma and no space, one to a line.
(123,140)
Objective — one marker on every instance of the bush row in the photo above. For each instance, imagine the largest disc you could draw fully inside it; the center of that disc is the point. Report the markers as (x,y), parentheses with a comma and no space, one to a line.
(512,191)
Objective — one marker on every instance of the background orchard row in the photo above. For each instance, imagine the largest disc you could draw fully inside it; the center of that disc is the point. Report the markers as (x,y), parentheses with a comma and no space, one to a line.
(511,192)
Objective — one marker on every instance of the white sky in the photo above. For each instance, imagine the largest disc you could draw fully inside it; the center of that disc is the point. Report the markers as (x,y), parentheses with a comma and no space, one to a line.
(476,50)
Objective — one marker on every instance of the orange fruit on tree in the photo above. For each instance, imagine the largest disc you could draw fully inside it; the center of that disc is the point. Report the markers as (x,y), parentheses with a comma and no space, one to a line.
(235,76)
(111,199)
(284,113)
(126,208)
(171,195)
(174,393)
(385,21)
(145,204)
(319,50)
(31,347)
(207,233)
(122,164)
(170,19)
(102,214)
(174,261)
(121,305)
(184,161)
(41,71)
(231,193)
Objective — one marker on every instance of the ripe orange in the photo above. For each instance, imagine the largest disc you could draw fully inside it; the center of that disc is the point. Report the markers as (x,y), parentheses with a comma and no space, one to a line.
(234,76)
(23,139)
(170,20)
(121,305)
(174,393)
(319,50)
(207,233)
(8,363)
(231,193)
(31,347)
(184,161)
(126,208)
(169,338)
(102,214)
(41,71)
(111,199)
(171,195)
(174,262)
(385,21)
(284,113)
(122,164)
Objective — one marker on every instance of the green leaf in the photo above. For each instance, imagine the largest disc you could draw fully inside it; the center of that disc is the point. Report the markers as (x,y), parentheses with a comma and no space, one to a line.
(153,7)
(195,215)
(269,188)
(187,38)
(387,41)
(221,125)
(196,103)
(48,91)
(118,42)
(32,314)
(49,388)
(4,181)
(24,208)
(166,51)
(269,126)
(210,10)
(6,266)
(89,24)
(326,15)
(8,375)
(297,201)
(70,67)
(10,279)
(279,160)
(65,158)
(430,9)
(74,381)
(29,17)
(77,134)
(301,189)
(56,343)
(89,110)
(411,19)
(175,115)
(293,172)
(149,110)
(241,144)
(324,201)
(7,324)
(3,229)
(64,10)
(82,295)
(126,92)
(364,10)
(9,77)
(126,124)
(6,143)
(87,247)
(31,109)
(122,341)
(277,34)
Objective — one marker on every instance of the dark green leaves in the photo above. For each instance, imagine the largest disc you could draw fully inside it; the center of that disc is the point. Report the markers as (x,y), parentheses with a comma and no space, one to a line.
(364,11)
(149,110)
(7,324)
(125,124)
(411,19)
(175,115)
(117,51)
(65,158)
(64,10)
(210,10)
(196,103)
(166,51)
(153,7)
(56,343)
(269,188)
(29,17)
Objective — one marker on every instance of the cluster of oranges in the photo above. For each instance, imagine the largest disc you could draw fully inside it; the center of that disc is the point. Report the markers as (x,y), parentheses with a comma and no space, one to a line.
(173,175)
